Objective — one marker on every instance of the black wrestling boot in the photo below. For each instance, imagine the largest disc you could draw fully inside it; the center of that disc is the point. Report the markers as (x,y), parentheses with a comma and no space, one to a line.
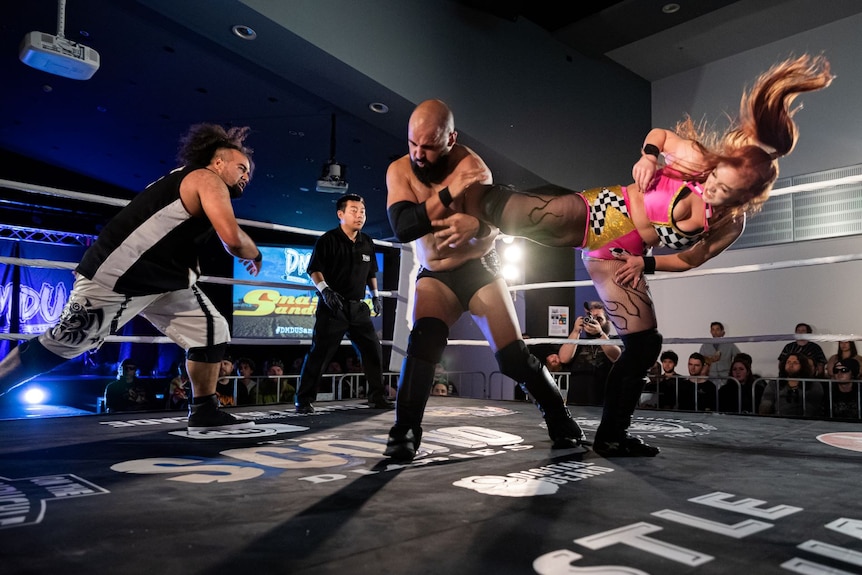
(414,388)
(207,416)
(402,446)
(622,391)
(628,446)
(518,363)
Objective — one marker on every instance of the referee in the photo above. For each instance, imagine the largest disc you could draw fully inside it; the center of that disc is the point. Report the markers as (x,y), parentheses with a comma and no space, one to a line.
(341,265)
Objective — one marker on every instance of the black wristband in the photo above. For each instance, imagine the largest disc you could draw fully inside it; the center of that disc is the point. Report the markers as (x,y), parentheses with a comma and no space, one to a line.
(651,150)
(445,197)
(258,258)
(649,264)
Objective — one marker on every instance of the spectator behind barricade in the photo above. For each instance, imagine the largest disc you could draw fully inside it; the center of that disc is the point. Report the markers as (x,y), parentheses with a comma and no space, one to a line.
(660,393)
(718,356)
(794,393)
(127,392)
(846,350)
(808,349)
(274,388)
(439,388)
(442,376)
(589,365)
(845,391)
(696,393)
(553,363)
(246,386)
(353,364)
(743,390)
(180,389)
(226,388)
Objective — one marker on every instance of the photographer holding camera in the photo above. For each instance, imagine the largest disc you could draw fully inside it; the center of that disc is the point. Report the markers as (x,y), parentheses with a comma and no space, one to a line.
(589,364)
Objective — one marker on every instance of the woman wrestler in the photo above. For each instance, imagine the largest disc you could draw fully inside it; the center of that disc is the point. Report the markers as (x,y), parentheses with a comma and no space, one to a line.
(691,193)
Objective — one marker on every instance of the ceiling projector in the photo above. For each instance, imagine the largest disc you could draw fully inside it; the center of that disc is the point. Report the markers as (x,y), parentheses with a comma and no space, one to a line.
(58,55)
(332,181)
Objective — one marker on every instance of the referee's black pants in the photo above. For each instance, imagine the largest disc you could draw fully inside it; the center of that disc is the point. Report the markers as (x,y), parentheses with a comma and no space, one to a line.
(329,330)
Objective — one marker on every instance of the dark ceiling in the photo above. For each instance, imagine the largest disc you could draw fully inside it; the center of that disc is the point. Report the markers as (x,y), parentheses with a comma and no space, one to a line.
(167,64)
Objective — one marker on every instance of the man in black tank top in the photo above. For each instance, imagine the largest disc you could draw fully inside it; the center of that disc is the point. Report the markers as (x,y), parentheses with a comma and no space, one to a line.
(145,262)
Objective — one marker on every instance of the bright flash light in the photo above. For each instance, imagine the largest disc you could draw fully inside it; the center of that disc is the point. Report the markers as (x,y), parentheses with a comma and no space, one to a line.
(507,239)
(34,396)
(513,253)
(511,272)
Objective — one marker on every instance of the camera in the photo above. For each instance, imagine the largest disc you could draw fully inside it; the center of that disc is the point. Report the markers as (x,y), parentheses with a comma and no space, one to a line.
(590,319)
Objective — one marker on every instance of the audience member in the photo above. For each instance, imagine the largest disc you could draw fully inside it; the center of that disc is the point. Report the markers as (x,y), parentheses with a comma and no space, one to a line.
(439,388)
(660,392)
(353,364)
(275,387)
(180,389)
(810,350)
(696,393)
(441,376)
(553,363)
(589,364)
(247,391)
(742,392)
(793,393)
(127,392)
(227,389)
(846,350)
(718,356)
(845,399)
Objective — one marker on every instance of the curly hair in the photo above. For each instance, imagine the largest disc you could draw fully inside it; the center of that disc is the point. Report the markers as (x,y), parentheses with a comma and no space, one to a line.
(201,143)
(765,130)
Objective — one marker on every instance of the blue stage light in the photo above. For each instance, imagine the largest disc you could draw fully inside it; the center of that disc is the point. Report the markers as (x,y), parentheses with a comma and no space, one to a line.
(34,396)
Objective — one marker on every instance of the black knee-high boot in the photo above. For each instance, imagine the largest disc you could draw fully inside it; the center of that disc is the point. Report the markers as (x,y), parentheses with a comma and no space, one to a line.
(424,349)
(622,391)
(517,362)
(414,387)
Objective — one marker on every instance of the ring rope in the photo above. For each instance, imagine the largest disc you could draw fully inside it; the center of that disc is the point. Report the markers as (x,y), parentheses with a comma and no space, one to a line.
(120,202)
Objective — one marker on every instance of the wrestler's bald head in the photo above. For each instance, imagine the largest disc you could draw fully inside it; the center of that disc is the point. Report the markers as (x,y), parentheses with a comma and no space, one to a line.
(433,119)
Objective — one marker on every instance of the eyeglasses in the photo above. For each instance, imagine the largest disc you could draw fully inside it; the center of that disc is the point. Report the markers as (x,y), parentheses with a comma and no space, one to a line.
(840,370)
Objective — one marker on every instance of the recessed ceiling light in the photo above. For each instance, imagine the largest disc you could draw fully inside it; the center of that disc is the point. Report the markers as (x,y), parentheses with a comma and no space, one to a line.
(670,8)
(378,107)
(244,32)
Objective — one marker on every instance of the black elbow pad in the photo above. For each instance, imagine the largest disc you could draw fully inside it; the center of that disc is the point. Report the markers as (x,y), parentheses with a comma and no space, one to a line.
(409,220)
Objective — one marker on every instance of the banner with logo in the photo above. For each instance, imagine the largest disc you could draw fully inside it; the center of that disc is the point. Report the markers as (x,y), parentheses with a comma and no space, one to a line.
(276,312)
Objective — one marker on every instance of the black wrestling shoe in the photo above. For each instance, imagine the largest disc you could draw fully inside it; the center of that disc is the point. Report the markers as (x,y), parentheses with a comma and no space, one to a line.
(208,417)
(628,447)
(402,447)
(380,402)
(566,433)
(305,408)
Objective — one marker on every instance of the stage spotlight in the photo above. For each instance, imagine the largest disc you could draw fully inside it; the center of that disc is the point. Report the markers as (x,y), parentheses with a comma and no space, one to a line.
(513,253)
(511,272)
(34,396)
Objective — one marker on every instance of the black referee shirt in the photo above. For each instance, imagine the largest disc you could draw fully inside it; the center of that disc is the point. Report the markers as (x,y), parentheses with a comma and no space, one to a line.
(346,266)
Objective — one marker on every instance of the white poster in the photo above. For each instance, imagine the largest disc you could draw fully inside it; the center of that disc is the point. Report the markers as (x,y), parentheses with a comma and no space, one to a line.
(558,321)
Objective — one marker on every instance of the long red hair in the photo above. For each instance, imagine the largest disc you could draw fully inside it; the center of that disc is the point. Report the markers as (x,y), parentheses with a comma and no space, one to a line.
(765,130)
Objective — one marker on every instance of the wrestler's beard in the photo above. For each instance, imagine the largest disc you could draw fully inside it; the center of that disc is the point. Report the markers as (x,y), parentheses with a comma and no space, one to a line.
(431,173)
(235,192)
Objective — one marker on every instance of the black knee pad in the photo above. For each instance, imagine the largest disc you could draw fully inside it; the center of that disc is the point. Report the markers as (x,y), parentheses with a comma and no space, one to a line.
(428,339)
(641,349)
(516,361)
(207,354)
